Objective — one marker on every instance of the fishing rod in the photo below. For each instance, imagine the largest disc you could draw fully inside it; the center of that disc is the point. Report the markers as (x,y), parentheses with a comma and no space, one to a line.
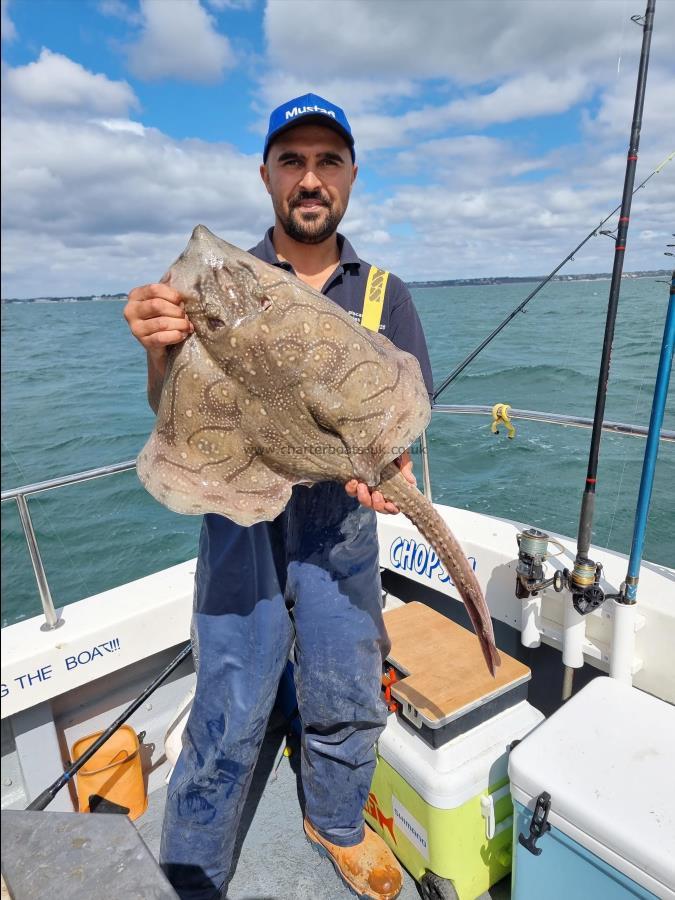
(623,619)
(542,284)
(588,501)
(43,800)
(584,580)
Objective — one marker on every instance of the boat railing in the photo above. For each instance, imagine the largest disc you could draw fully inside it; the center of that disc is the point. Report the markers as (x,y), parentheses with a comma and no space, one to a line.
(20,494)
(532,415)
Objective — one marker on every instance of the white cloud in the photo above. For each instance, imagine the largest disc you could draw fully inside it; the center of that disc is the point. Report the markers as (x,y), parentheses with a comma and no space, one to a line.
(479,205)
(121,125)
(118,9)
(493,61)
(355,95)
(92,208)
(179,40)
(469,159)
(96,202)
(56,83)
(525,97)
(467,42)
(231,4)
(7,26)
(616,107)
(518,98)
(477,227)
(358,97)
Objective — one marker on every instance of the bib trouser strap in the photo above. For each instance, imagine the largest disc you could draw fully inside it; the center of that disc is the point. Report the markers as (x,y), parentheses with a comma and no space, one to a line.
(373,300)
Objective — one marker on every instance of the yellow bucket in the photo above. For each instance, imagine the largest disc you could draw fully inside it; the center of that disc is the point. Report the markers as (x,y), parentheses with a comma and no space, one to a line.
(113,774)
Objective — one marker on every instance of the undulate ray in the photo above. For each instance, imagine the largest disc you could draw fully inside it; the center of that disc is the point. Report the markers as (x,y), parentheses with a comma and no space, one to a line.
(279,386)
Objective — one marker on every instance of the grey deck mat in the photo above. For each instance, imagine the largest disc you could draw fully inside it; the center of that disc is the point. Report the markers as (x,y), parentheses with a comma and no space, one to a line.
(68,856)
(273,860)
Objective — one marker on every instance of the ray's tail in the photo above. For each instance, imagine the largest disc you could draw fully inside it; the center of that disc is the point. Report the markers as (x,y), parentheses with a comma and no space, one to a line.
(429,523)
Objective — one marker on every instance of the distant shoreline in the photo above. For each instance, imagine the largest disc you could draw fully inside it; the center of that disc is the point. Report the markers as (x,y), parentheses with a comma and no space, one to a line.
(533,279)
(448,282)
(99,298)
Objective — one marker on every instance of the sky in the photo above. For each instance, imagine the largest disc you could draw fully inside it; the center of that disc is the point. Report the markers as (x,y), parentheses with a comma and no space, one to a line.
(491,135)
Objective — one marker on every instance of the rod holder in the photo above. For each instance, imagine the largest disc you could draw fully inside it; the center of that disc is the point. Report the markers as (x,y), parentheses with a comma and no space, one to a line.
(574,635)
(623,641)
(530,633)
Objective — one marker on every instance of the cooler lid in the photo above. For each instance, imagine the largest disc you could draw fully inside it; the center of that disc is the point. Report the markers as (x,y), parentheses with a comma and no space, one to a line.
(471,764)
(606,758)
(445,675)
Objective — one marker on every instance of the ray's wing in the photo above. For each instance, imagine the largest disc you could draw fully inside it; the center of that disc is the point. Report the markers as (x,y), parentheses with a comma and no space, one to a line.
(197,459)
(377,404)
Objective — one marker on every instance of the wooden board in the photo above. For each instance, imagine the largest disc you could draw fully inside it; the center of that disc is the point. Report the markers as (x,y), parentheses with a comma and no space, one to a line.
(443,664)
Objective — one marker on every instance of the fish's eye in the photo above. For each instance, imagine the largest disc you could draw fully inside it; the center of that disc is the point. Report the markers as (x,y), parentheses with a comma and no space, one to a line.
(214,323)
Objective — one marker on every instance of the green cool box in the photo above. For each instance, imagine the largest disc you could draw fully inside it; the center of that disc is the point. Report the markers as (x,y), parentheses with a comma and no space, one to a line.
(440,794)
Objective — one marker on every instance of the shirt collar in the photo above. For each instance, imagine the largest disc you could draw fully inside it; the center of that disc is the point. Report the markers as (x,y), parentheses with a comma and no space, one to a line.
(265,251)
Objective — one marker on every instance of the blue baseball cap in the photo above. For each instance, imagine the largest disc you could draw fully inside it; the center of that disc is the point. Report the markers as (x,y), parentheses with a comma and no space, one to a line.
(306,109)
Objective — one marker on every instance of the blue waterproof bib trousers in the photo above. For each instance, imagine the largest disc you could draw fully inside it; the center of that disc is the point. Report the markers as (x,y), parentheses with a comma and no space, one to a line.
(312,576)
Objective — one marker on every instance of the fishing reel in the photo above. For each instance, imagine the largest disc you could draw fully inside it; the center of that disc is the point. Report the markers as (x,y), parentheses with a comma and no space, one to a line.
(532,551)
(584,583)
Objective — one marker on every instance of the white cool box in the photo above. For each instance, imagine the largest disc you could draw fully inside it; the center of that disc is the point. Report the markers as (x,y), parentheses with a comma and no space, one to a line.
(593,787)
(599,776)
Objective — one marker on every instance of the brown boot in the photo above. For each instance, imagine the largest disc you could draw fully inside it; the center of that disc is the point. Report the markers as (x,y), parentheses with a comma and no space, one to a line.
(370,868)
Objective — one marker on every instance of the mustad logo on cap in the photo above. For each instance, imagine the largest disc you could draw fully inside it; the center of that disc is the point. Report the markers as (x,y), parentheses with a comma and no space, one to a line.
(302,110)
(316,108)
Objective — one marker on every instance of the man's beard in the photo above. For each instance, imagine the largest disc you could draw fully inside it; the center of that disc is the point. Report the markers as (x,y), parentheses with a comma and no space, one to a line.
(309,228)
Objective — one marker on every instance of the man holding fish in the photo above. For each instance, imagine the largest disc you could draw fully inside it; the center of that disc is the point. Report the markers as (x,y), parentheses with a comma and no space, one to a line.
(308,580)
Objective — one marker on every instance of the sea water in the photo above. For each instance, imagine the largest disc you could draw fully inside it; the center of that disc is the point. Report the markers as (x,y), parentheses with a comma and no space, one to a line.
(74,398)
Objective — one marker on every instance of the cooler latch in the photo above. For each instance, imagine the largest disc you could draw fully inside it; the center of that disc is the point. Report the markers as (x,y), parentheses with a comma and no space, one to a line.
(389,678)
(487,810)
(539,824)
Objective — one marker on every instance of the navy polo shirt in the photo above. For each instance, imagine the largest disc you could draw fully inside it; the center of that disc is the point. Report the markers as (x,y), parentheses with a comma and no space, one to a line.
(347,287)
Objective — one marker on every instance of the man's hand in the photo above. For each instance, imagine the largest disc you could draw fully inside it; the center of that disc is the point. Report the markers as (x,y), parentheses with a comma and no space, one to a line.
(156,316)
(374,499)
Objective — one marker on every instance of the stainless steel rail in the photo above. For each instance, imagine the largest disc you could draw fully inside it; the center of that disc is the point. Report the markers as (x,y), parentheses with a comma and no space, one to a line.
(53,620)
(532,415)
(555,419)
(78,477)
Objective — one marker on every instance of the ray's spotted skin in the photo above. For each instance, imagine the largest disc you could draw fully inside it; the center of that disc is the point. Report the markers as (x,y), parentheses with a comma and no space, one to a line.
(279,386)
